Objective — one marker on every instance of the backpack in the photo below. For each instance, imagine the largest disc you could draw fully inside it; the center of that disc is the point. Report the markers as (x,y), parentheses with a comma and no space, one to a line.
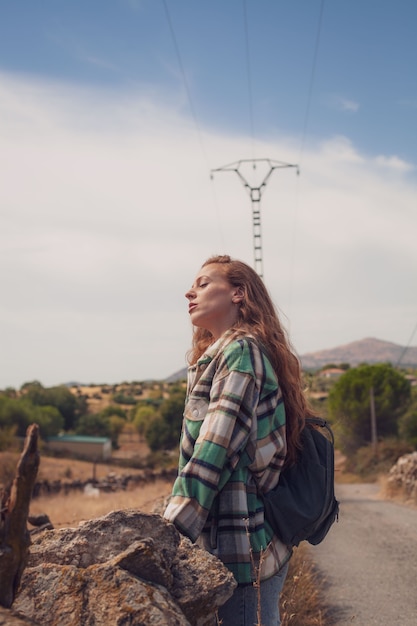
(303,505)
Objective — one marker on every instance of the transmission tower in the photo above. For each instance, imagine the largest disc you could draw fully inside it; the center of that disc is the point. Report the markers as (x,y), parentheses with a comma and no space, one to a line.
(255,194)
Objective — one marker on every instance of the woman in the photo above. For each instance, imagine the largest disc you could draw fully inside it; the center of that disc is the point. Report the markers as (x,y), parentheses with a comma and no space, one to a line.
(243,414)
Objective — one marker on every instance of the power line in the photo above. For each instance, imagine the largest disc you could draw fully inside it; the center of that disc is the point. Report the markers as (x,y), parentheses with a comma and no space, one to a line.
(190,101)
(407,346)
(249,77)
(184,79)
(312,78)
(303,140)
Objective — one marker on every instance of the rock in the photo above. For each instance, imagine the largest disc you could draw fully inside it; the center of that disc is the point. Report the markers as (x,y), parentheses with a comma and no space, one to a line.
(11,618)
(39,520)
(403,476)
(126,567)
(199,582)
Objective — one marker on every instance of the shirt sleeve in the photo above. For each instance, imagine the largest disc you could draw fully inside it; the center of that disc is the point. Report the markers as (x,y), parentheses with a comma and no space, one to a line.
(218,448)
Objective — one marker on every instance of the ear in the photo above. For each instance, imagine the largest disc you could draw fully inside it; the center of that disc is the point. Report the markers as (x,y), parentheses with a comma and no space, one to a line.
(238,295)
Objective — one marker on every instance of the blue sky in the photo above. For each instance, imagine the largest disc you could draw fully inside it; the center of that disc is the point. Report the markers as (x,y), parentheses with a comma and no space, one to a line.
(112,115)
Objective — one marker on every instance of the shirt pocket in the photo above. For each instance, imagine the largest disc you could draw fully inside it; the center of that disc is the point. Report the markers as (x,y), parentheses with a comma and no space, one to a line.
(196,409)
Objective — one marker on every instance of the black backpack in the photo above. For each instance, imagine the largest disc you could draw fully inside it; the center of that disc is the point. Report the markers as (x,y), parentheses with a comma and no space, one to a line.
(303,505)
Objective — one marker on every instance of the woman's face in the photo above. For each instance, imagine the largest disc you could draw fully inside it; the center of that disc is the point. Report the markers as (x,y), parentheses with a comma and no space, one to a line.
(213,301)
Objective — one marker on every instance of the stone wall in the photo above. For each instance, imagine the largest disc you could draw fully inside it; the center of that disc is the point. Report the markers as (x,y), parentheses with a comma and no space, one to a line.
(112,482)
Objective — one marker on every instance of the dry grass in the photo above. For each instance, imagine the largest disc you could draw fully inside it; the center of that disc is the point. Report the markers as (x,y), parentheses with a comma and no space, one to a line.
(69,510)
(302,599)
(54,468)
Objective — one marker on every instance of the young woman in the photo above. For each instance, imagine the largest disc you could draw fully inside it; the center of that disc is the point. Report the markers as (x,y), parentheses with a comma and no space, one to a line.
(243,414)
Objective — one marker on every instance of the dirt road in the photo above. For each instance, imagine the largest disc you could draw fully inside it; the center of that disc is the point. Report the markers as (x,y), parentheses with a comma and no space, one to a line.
(369,560)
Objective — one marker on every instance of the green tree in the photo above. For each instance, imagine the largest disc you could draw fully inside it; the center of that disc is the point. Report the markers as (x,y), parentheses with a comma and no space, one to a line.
(101,425)
(158,435)
(94,425)
(124,398)
(349,403)
(163,432)
(112,409)
(69,405)
(18,413)
(408,422)
(116,425)
(142,417)
(49,419)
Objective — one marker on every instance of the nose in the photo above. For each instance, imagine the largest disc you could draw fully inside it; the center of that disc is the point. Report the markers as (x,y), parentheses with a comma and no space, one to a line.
(190,294)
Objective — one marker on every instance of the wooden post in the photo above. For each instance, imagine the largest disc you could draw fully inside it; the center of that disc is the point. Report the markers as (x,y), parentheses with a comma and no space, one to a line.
(14,535)
(374,438)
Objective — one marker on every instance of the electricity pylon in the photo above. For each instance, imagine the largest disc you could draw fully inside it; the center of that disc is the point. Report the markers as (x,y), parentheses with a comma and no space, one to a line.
(255,194)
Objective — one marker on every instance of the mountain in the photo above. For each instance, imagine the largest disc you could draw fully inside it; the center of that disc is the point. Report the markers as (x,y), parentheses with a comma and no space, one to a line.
(364,351)
(180,375)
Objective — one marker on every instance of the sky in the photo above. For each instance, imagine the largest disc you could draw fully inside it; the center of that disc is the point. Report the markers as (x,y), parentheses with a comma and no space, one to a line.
(114,115)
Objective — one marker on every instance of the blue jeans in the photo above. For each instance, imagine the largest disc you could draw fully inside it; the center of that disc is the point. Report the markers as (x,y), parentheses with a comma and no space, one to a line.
(242,608)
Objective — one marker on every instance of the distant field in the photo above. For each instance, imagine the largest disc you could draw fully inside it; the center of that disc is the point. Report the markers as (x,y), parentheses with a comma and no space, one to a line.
(100,396)
(69,510)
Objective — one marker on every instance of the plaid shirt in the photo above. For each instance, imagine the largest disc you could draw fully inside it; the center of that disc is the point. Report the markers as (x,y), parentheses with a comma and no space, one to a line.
(233,430)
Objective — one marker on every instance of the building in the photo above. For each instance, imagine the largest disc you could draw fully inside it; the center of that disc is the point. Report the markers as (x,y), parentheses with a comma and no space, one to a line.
(92,448)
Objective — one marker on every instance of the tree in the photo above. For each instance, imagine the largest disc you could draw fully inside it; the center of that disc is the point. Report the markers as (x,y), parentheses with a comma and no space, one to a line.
(116,425)
(408,422)
(112,409)
(349,403)
(49,420)
(142,417)
(158,435)
(94,425)
(20,413)
(17,413)
(164,431)
(69,405)
(101,425)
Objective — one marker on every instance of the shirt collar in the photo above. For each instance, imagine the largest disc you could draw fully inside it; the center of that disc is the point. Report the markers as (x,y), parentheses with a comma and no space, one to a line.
(217,346)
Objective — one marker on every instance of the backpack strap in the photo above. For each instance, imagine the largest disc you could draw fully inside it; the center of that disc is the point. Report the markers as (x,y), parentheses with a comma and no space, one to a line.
(319,421)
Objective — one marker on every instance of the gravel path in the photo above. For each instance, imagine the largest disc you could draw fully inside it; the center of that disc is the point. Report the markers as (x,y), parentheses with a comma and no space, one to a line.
(369,560)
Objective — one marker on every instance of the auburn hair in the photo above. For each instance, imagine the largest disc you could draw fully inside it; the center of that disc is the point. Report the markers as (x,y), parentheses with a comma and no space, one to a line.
(258,317)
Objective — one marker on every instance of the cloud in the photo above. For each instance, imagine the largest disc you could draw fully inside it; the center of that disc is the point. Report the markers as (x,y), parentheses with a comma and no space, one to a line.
(394,163)
(341,103)
(108,211)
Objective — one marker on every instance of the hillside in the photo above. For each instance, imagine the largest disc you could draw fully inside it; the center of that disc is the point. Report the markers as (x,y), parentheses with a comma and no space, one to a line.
(364,351)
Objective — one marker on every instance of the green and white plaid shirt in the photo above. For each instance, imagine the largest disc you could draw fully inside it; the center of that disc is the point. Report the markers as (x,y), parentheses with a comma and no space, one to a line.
(234,427)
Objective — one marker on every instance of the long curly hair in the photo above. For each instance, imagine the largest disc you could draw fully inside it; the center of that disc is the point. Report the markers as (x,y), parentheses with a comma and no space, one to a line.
(258,317)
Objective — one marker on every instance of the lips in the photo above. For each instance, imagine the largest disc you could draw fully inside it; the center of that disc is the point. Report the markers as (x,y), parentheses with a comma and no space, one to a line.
(191,307)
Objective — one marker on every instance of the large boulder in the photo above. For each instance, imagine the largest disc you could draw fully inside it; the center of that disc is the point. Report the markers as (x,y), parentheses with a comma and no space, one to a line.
(126,567)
